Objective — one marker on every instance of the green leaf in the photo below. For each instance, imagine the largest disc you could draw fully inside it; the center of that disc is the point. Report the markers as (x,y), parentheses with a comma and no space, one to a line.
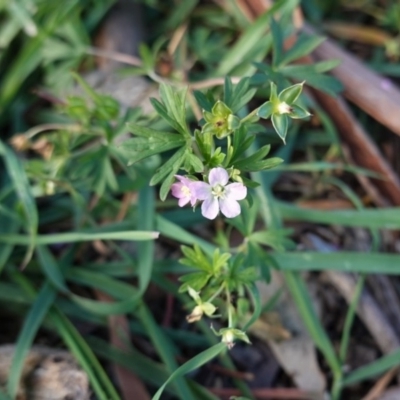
(3,396)
(304,45)
(146,56)
(277,39)
(173,164)
(86,87)
(30,56)
(51,269)
(145,252)
(277,239)
(194,162)
(22,187)
(325,83)
(239,95)
(255,295)
(165,351)
(304,304)
(174,101)
(32,321)
(205,102)
(10,224)
(178,15)
(174,231)
(262,164)
(291,94)
(228,89)
(20,12)
(373,369)
(384,218)
(265,111)
(196,280)
(273,95)
(72,237)
(370,263)
(149,143)
(166,185)
(253,36)
(257,156)
(191,365)
(298,113)
(280,124)
(99,380)
(164,113)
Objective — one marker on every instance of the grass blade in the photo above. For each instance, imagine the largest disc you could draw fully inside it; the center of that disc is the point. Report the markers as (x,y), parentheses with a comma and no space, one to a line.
(386,218)
(375,368)
(192,364)
(72,237)
(32,323)
(304,305)
(23,190)
(371,263)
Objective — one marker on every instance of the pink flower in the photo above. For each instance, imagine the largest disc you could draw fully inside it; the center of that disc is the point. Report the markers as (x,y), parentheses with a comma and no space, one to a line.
(217,195)
(183,191)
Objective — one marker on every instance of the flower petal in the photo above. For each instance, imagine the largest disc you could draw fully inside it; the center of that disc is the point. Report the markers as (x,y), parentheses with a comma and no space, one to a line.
(229,207)
(183,179)
(208,309)
(183,201)
(218,176)
(176,190)
(194,295)
(236,191)
(210,208)
(201,190)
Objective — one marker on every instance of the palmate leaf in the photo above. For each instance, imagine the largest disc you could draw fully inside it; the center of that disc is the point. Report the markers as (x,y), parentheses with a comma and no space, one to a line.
(172,164)
(196,258)
(235,97)
(168,172)
(195,280)
(257,156)
(149,142)
(172,108)
(303,46)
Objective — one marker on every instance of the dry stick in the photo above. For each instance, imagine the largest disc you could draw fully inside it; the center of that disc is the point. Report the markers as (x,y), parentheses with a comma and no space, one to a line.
(362,148)
(118,327)
(368,311)
(268,394)
(376,95)
(381,385)
(372,191)
(364,151)
(114,55)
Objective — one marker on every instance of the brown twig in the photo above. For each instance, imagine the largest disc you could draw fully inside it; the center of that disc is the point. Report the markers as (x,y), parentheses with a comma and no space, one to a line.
(368,311)
(115,55)
(376,95)
(381,385)
(268,394)
(118,327)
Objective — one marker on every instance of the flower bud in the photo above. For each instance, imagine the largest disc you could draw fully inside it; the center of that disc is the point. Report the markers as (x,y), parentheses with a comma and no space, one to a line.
(196,315)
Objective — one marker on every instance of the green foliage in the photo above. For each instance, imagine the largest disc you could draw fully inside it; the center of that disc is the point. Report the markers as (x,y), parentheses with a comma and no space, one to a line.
(69,181)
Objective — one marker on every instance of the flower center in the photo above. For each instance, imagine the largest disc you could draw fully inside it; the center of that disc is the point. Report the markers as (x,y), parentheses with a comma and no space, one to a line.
(186,191)
(284,108)
(218,191)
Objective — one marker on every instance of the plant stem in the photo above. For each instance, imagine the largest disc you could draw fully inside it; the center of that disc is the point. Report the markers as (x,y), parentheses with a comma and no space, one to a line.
(348,323)
(336,386)
(228,302)
(216,293)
